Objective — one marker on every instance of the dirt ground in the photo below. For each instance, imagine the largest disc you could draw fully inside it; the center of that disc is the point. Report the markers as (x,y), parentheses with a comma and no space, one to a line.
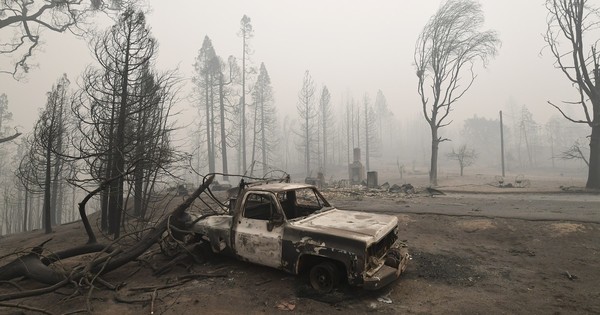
(476,249)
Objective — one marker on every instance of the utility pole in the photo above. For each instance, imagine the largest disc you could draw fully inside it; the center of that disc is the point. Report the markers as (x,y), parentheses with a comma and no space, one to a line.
(502,143)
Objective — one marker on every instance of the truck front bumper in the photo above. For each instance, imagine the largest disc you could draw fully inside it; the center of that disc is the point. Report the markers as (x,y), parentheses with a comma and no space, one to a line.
(394,265)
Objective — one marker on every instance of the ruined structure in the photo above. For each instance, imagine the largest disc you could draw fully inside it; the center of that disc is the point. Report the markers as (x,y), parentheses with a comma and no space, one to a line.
(356,171)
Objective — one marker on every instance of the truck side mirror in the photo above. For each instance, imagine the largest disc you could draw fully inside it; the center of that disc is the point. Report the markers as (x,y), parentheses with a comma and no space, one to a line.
(276,220)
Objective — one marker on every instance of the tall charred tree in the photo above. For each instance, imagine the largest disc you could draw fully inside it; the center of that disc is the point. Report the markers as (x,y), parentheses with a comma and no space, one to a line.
(226,110)
(385,121)
(449,45)
(213,79)
(44,162)
(205,79)
(246,32)
(572,37)
(264,118)
(326,121)
(22,173)
(307,114)
(153,150)
(528,136)
(371,136)
(110,104)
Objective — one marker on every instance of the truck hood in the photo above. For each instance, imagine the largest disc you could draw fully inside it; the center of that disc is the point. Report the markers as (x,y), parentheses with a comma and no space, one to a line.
(363,226)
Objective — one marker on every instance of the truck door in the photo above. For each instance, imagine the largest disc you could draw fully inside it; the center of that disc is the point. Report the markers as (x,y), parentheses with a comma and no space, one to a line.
(257,238)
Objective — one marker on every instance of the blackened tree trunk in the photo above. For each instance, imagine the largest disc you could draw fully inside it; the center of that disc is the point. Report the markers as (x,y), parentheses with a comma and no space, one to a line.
(575,23)
(222,126)
(435,143)
(307,113)
(47,214)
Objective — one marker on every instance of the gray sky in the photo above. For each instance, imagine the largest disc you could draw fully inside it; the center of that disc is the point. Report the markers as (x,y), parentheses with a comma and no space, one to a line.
(351,46)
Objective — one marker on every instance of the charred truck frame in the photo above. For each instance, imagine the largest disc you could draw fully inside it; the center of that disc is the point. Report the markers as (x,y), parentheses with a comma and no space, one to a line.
(293,228)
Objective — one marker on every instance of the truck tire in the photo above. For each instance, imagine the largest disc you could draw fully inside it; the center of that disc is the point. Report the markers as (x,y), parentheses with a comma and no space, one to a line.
(324,277)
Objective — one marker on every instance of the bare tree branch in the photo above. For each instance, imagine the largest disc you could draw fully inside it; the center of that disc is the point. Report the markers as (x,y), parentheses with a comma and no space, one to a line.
(9,138)
(571,37)
(23,22)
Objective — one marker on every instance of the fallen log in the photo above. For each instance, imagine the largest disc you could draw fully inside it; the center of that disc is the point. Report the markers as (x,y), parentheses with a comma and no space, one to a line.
(31,266)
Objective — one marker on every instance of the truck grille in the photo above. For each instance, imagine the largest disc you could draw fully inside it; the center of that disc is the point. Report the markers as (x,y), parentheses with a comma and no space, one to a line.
(379,249)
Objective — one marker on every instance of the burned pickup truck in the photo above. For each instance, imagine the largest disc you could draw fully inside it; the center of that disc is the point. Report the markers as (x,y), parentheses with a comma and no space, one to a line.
(293,228)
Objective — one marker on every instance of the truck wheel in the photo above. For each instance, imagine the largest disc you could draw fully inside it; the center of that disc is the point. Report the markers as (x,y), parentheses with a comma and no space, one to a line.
(324,277)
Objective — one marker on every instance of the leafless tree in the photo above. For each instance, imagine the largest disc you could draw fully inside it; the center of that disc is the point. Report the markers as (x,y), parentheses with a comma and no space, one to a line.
(575,152)
(227,74)
(213,89)
(572,38)
(326,120)
(287,138)
(111,104)
(528,136)
(44,163)
(264,119)
(246,33)
(205,79)
(560,135)
(371,136)
(385,121)
(465,157)
(22,24)
(307,114)
(450,44)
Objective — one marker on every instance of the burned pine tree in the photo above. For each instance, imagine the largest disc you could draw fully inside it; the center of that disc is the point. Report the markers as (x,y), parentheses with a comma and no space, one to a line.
(307,114)
(264,136)
(205,80)
(227,74)
(326,121)
(213,80)
(151,135)
(246,32)
(386,123)
(119,102)
(371,135)
(42,166)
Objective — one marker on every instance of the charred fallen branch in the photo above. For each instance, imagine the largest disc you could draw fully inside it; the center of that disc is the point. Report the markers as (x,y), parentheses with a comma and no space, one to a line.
(152,237)
(31,266)
(35,266)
